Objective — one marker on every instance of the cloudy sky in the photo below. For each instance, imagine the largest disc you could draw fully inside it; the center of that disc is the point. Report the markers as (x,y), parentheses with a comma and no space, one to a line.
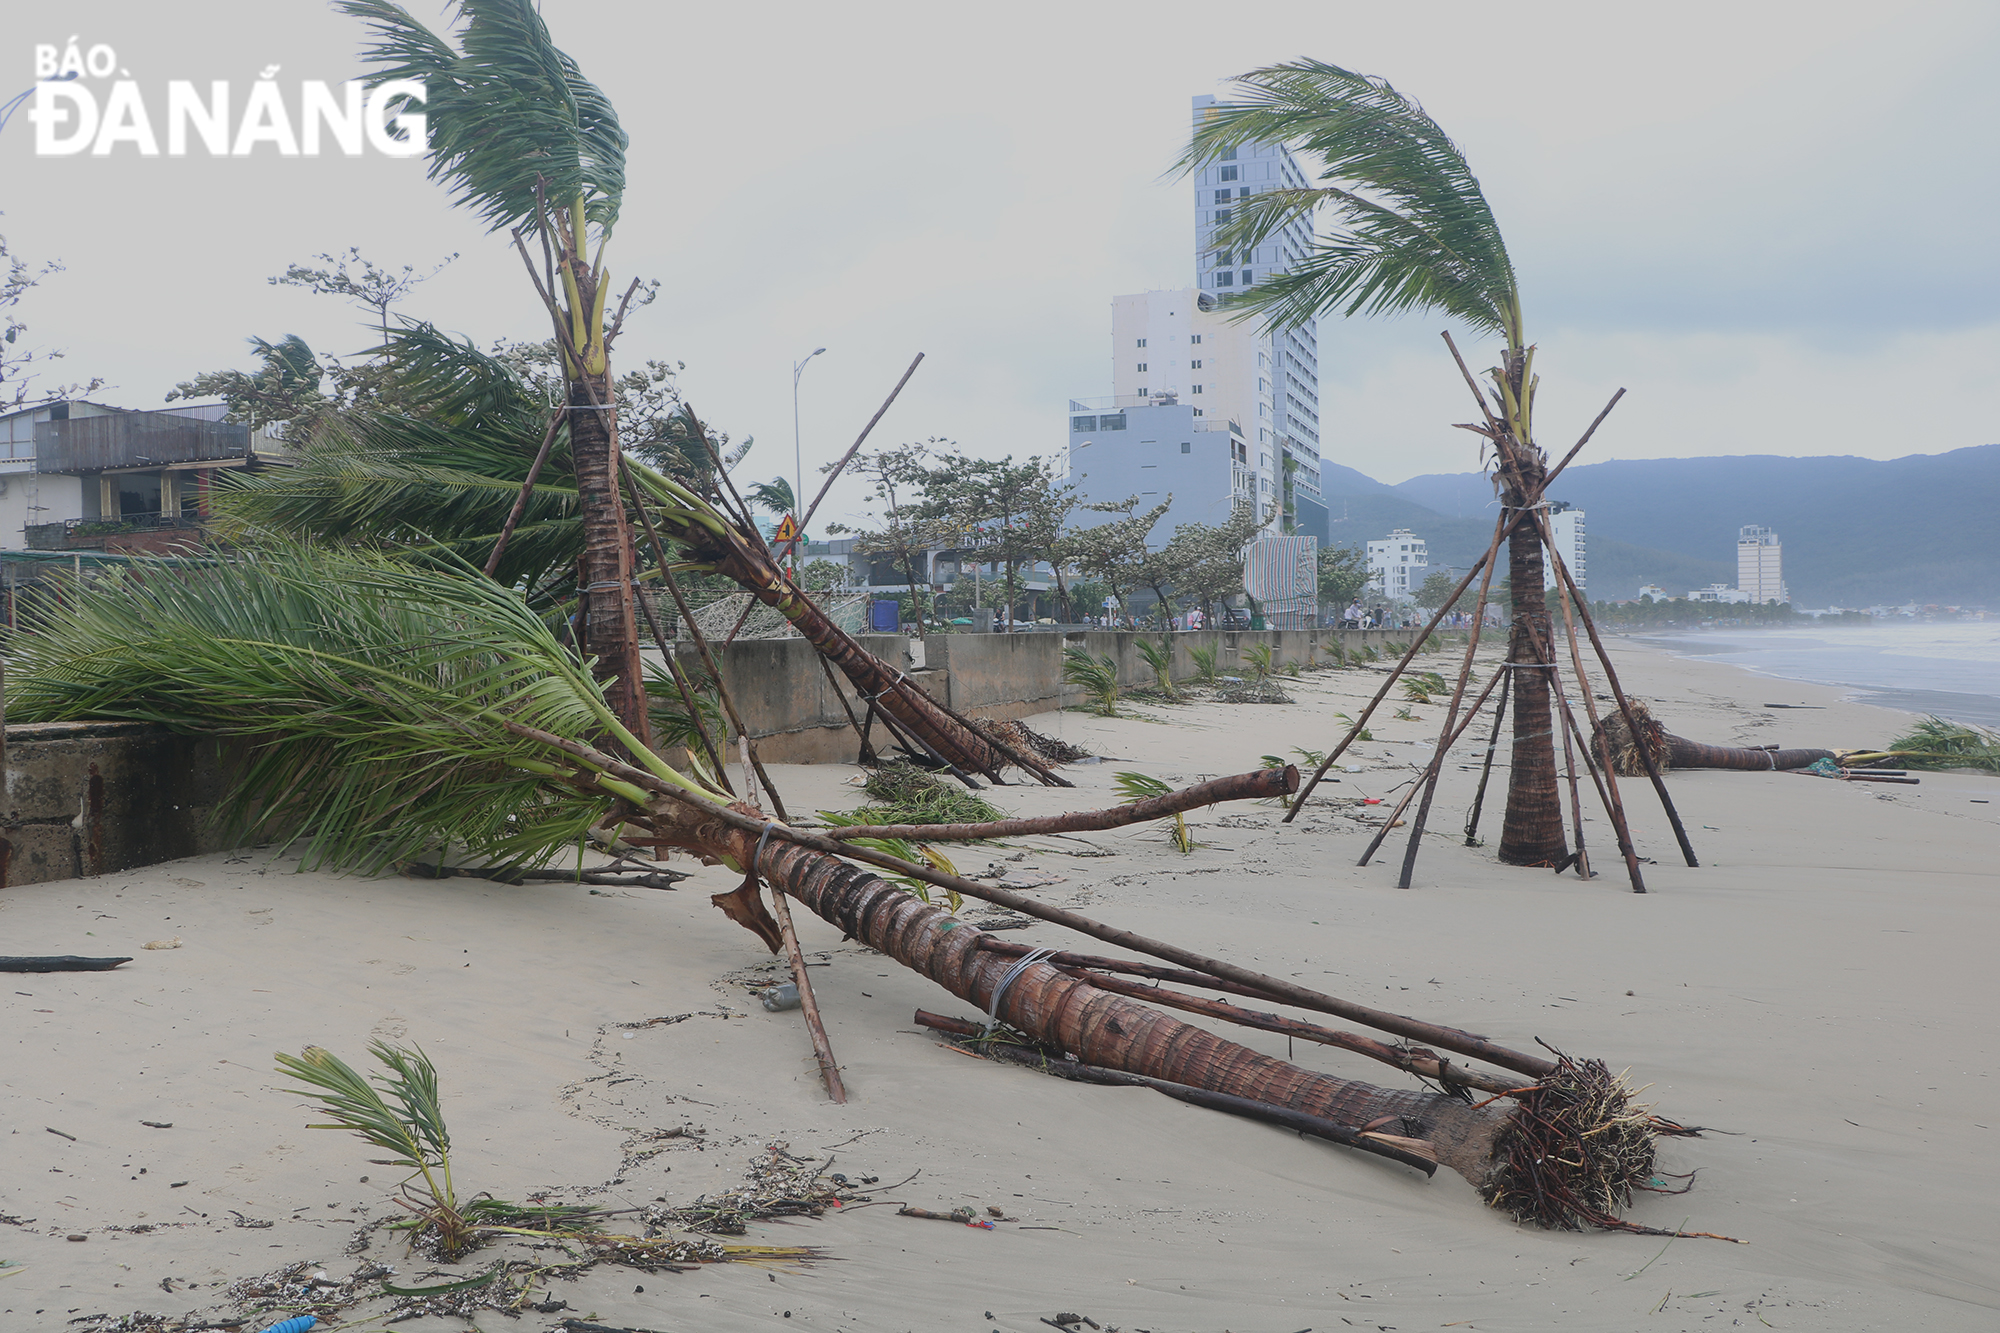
(1771,222)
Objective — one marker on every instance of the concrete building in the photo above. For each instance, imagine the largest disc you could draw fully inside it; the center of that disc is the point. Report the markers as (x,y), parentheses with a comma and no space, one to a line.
(1566,527)
(1654,591)
(1154,448)
(1718,592)
(85,476)
(1397,565)
(1284,414)
(1760,574)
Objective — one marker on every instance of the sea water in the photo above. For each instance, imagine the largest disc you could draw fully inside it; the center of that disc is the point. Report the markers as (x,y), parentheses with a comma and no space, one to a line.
(1952,670)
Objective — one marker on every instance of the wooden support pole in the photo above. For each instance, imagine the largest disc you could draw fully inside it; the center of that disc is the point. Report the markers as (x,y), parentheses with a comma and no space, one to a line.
(1624,707)
(1450,717)
(1436,764)
(1486,769)
(707,658)
(556,419)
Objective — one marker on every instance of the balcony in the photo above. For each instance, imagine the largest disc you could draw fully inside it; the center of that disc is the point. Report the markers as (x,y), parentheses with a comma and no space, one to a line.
(157,533)
(141,440)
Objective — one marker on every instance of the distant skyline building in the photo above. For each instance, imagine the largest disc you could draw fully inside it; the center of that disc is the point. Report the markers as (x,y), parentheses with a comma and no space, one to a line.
(1283,415)
(1567,528)
(1760,572)
(1211,411)
(1397,565)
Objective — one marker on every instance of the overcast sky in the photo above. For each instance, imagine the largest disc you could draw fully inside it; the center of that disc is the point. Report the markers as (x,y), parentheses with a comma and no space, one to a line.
(1772,223)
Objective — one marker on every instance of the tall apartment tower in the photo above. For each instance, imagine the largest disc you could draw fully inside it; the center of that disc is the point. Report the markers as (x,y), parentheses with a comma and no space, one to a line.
(1760,573)
(1277,401)
(1566,528)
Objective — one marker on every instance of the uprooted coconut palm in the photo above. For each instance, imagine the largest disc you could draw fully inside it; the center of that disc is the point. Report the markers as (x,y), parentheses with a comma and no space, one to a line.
(1619,746)
(390,706)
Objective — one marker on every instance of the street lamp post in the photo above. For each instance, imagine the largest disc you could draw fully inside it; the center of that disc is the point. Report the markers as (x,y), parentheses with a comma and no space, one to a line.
(798,459)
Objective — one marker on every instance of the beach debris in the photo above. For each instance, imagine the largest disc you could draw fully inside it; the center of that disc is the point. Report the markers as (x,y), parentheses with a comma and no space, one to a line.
(1935,744)
(173,943)
(967,1216)
(1625,751)
(1021,736)
(59,963)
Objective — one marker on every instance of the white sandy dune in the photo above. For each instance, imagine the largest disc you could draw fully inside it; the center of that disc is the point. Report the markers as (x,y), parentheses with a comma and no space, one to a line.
(1820,992)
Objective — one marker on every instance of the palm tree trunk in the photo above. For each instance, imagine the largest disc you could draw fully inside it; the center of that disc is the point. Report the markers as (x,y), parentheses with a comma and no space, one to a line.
(1109,1030)
(894,693)
(1532,832)
(1683,753)
(611,633)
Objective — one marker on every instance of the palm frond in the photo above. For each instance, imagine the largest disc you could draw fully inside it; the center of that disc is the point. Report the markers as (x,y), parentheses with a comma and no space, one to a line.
(372,691)
(1411,228)
(507,111)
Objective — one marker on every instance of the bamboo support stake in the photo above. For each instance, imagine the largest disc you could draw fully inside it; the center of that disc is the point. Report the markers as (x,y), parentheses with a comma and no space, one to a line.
(556,419)
(1624,707)
(1486,769)
(701,645)
(1445,733)
(1287,992)
(1582,858)
(1262,784)
(1425,1064)
(848,457)
(829,1068)
(1435,766)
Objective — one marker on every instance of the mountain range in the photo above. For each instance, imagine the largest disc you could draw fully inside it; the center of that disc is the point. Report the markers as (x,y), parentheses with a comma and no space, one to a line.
(1854,531)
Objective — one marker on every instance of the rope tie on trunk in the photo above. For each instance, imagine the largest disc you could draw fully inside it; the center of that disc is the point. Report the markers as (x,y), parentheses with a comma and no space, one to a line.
(757,857)
(1027,961)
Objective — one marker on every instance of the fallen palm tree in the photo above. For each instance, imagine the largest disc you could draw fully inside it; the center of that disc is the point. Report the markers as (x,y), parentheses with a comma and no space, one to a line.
(392,708)
(451,469)
(1619,745)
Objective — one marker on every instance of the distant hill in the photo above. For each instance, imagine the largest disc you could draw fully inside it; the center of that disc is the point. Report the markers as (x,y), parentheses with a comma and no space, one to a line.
(1856,531)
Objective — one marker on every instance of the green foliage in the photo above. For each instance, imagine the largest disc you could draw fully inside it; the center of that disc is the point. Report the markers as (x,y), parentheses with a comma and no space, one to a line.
(902,849)
(1261,660)
(373,692)
(1097,677)
(1404,714)
(774,496)
(1204,663)
(907,794)
(408,1123)
(1343,573)
(671,722)
(1935,743)
(1419,686)
(1160,657)
(1409,228)
(1141,786)
(511,117)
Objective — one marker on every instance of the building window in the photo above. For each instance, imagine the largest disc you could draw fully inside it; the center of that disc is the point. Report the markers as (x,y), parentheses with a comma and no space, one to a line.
(1197,411)
(1246,277)
(1196,339)
(1194,365)
(1197,388)
(1083,423)
(1142,342)
(1187,447)
(1142,391)
(1228,174)
(1221,215)
(1242,192)
(1114,422)
(1222,196)
(1225,279)
(1229,155)
(1220,259)
(1142,367)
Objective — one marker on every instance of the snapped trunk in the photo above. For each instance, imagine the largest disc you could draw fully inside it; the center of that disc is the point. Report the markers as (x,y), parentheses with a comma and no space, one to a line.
(610,632)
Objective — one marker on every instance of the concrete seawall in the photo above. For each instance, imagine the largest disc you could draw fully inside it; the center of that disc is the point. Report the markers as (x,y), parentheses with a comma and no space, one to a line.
(89,798)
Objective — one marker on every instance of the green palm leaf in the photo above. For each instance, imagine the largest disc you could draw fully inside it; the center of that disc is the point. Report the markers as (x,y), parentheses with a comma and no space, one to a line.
(1411,228)
(507,111)
(372,690)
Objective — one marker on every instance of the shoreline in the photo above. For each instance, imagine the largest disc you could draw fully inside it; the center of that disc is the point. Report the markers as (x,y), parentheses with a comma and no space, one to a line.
(1815,990)
(1972,708)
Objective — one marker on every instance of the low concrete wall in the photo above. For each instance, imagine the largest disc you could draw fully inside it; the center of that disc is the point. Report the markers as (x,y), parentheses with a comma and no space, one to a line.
(796,717)
(85,798)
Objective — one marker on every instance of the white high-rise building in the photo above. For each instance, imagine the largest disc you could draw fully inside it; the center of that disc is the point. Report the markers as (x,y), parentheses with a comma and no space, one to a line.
(1566,527)
(1760,573)
(1281,416)
(1398,565)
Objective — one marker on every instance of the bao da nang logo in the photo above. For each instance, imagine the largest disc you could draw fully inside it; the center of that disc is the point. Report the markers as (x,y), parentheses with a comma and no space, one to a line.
(79,106)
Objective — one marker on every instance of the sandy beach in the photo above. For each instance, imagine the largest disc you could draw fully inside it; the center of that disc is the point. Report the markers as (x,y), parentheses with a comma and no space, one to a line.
(1817,992)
